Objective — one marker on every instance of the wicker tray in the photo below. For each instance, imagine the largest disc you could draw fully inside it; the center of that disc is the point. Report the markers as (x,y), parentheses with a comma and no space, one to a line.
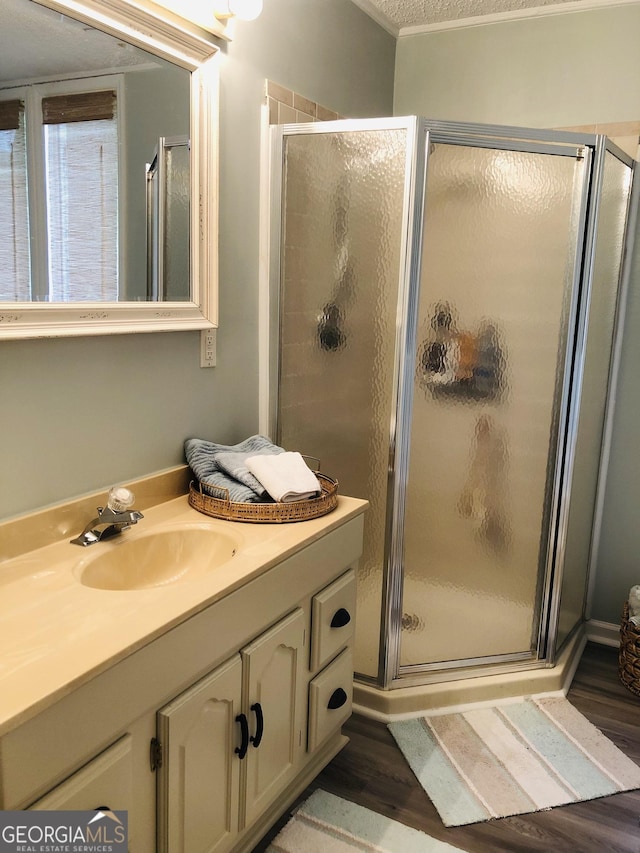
(629,657)
(266,513)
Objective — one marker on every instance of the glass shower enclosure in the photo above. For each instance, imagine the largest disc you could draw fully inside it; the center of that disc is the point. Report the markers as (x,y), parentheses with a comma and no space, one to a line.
(445,299)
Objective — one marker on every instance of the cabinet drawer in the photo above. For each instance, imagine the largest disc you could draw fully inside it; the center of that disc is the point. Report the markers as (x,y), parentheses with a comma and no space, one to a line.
(106,781)
(330,695)
(332,619)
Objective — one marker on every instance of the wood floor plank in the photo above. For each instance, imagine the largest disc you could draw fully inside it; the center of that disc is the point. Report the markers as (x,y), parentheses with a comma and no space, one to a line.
(372,772)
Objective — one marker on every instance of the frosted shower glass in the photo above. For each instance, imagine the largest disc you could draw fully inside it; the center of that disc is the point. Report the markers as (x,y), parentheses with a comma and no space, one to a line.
(176,262)
(497,270)
(607,264)
(343,197)
(15,261)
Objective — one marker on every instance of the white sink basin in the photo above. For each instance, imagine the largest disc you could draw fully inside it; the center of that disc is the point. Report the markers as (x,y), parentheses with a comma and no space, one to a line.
(156,559)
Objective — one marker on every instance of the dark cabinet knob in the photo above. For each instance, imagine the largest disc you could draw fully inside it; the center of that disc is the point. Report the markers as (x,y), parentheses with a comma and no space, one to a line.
(341,618)
(337,699)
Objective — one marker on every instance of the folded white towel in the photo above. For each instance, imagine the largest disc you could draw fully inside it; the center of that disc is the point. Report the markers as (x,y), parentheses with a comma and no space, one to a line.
(285,476)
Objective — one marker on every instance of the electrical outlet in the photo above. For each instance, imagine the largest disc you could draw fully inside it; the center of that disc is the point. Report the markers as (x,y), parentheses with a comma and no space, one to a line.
(208,348)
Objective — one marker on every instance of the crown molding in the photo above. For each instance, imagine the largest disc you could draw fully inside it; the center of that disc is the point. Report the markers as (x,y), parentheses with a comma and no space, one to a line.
(504,17)
(150,26)
(378,16)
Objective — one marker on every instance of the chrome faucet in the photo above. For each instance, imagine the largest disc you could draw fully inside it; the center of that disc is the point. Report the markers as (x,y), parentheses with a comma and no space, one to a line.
(112,519)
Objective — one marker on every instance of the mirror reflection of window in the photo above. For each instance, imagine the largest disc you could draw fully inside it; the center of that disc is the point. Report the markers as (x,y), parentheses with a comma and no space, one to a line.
(68,160)
(14,218)
(50,59)
(81,195)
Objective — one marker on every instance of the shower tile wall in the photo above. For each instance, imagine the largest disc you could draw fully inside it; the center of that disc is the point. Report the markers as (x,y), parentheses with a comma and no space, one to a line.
(624,134)
(288,107)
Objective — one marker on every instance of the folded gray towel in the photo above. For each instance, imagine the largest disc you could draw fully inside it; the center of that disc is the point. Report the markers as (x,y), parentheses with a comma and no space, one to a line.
(234,464)
(222,467)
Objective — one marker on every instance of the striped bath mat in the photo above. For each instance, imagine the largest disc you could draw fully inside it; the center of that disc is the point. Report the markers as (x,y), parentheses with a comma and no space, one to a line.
(328,824)
(512,758)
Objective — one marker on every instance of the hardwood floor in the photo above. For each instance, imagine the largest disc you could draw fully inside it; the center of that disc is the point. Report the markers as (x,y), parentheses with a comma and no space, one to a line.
(371,771)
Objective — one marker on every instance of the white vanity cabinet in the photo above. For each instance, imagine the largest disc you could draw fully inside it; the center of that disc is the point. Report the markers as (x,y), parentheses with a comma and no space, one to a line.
(207,732)
(256,726)
(233,742)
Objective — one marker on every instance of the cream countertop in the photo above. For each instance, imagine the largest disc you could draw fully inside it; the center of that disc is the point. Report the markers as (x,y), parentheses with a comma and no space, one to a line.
(56,633)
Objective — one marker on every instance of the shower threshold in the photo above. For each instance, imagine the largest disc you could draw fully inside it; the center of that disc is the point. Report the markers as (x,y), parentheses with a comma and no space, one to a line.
(402,702)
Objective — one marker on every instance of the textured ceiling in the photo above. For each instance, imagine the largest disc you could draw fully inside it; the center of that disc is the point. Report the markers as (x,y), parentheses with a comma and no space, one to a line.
(418,13)
(36,42)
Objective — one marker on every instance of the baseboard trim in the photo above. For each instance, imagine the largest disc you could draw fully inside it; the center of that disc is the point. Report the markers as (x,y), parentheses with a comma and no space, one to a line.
(406,702)
(604,633)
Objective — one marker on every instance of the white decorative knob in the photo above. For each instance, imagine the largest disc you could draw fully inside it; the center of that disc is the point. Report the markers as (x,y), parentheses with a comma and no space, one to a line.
(120,499)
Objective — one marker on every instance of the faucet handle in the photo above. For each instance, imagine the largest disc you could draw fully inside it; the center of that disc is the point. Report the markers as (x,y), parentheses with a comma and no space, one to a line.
(120,499)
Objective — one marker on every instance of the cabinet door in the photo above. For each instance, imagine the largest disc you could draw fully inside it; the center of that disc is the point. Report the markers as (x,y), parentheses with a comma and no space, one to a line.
(199,777)
(274,693)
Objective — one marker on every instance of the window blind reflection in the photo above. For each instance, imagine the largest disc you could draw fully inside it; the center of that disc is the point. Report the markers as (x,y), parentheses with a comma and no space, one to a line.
(82,203)
(14,215)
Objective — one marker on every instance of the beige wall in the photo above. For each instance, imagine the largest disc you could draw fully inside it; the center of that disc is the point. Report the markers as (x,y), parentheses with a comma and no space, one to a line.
(557,71)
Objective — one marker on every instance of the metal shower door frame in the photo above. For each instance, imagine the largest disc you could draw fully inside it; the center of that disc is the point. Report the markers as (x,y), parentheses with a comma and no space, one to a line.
(391,673)
(420,133)
(277,136)
(408,280)
(601,145)
(632,219)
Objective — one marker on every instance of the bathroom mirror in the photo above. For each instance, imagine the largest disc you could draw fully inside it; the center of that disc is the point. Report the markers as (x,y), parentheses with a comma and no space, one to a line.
(112,109)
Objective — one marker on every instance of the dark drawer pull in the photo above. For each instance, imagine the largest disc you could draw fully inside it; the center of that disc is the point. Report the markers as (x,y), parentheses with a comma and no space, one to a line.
(341,618)
(337,699)
(241,750)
